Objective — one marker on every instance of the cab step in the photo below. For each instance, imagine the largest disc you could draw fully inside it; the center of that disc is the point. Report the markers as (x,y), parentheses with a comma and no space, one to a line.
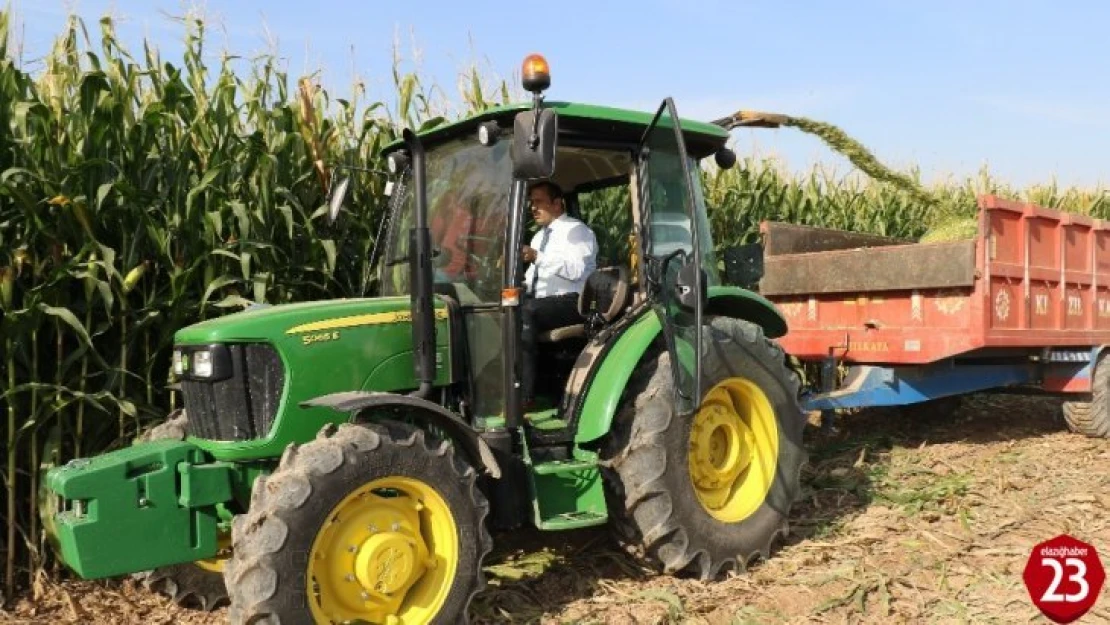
(554,467)
(569,494)
(574,520)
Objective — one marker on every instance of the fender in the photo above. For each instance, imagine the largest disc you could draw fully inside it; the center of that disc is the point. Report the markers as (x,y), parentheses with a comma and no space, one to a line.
(600,405)
(367,406)
(733,301)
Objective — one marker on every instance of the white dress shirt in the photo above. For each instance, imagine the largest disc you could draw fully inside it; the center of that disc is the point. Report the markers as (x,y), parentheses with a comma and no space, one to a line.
(564,261)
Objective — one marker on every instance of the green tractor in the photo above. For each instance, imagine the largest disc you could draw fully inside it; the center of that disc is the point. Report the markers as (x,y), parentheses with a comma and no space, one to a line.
(350,460)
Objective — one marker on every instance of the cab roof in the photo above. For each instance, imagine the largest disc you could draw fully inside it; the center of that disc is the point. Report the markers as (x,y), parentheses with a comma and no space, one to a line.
(589,122)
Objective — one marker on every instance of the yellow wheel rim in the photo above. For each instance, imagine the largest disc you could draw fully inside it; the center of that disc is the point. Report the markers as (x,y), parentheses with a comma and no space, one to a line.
(216,563)
(387,553)
(734,447)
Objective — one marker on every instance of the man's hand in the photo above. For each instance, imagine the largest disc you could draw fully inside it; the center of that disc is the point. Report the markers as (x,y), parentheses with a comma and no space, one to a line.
(528,254)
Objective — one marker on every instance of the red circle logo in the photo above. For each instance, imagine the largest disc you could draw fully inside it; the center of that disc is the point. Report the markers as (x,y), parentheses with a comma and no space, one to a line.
(1064,577)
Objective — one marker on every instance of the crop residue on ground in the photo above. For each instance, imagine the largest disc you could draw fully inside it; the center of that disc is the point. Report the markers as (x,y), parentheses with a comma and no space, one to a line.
(921,517)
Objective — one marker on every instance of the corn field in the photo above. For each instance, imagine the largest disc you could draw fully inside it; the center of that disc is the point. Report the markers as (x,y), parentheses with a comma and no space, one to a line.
(139,195)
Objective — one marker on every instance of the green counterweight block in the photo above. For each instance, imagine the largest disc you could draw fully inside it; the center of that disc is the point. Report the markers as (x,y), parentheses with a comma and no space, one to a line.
(135,509)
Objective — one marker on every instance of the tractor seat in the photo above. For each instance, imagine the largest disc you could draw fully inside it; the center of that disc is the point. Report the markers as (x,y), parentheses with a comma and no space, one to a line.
(601,301)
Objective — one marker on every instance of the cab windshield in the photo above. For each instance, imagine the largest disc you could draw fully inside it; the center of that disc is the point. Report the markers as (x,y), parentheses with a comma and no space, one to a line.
(468,191)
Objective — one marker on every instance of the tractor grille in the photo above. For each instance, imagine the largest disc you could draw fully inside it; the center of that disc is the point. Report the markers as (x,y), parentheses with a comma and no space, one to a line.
(242,407)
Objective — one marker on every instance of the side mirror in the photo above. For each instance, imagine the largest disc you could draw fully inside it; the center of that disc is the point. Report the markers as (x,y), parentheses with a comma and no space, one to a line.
(744,265)
(684,285)
(725,158)
(535,134)
(335,202)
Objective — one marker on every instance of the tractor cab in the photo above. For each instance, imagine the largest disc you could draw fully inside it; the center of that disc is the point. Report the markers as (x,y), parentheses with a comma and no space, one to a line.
(627,175)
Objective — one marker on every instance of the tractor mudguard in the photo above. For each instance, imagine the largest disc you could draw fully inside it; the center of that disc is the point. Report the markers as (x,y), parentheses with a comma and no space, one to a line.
(738,303)
(135,509)
(365,406)
(616,368)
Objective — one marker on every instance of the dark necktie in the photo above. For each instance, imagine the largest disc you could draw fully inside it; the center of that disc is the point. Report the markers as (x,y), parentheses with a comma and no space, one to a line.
(535,269)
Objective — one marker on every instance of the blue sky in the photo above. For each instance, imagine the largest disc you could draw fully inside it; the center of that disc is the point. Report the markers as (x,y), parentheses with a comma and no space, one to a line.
(946,85)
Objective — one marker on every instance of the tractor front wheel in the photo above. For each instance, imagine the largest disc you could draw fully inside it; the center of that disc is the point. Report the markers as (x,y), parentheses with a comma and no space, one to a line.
(195,584)
(368,523)
(712,490)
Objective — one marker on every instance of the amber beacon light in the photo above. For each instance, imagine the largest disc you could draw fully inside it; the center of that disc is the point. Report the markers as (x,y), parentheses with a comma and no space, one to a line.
(535,73)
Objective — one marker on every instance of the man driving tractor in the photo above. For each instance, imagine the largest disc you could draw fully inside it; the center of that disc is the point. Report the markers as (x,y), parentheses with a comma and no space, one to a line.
(563,254)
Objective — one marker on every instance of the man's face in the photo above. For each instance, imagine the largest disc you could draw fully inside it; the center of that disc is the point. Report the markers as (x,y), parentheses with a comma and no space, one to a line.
(544,209)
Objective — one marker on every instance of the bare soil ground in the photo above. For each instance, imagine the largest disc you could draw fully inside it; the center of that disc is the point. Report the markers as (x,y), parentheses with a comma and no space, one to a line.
(922,518)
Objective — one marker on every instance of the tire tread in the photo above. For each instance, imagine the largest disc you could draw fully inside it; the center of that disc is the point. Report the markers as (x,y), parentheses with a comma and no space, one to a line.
(643,511)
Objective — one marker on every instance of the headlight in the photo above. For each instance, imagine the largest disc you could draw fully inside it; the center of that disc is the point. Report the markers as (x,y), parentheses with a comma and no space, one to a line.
(397,161)
(202,363)
(488,133)
(209,363)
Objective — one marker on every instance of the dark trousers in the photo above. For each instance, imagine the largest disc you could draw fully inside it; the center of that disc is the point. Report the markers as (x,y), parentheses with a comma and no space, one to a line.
(541,315)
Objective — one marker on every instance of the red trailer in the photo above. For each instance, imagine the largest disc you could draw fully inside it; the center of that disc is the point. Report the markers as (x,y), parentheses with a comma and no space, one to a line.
(1025,303)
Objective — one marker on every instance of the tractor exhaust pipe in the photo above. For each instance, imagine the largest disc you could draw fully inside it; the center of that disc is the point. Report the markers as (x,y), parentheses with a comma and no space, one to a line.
(420,274)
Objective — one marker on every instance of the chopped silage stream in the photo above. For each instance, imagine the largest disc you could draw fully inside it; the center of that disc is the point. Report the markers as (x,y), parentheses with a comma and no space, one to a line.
(905,518)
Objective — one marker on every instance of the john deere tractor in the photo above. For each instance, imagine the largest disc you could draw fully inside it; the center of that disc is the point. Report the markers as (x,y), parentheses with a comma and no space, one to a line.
(350,460)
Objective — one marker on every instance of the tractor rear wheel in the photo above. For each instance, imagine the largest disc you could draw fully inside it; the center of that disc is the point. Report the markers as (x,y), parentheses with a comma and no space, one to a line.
(1091,417)
(711,491)
(195,584)
(367,523)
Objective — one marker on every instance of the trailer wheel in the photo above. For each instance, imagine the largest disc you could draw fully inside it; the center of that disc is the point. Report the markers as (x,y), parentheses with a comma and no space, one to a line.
(195,584)
(712,491)
(1091,417)
(367,523)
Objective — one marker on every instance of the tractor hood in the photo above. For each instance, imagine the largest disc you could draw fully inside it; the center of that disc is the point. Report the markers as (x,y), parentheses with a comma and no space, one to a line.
(270,322)
(277,357)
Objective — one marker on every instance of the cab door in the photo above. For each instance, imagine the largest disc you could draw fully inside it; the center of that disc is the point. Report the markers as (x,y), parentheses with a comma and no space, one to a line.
(671,270)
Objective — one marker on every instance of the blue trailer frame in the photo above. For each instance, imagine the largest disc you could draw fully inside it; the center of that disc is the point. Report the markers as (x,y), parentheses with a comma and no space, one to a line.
(864,386)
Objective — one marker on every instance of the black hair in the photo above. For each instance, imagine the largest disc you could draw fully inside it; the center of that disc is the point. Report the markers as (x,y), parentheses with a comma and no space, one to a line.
(553,190)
